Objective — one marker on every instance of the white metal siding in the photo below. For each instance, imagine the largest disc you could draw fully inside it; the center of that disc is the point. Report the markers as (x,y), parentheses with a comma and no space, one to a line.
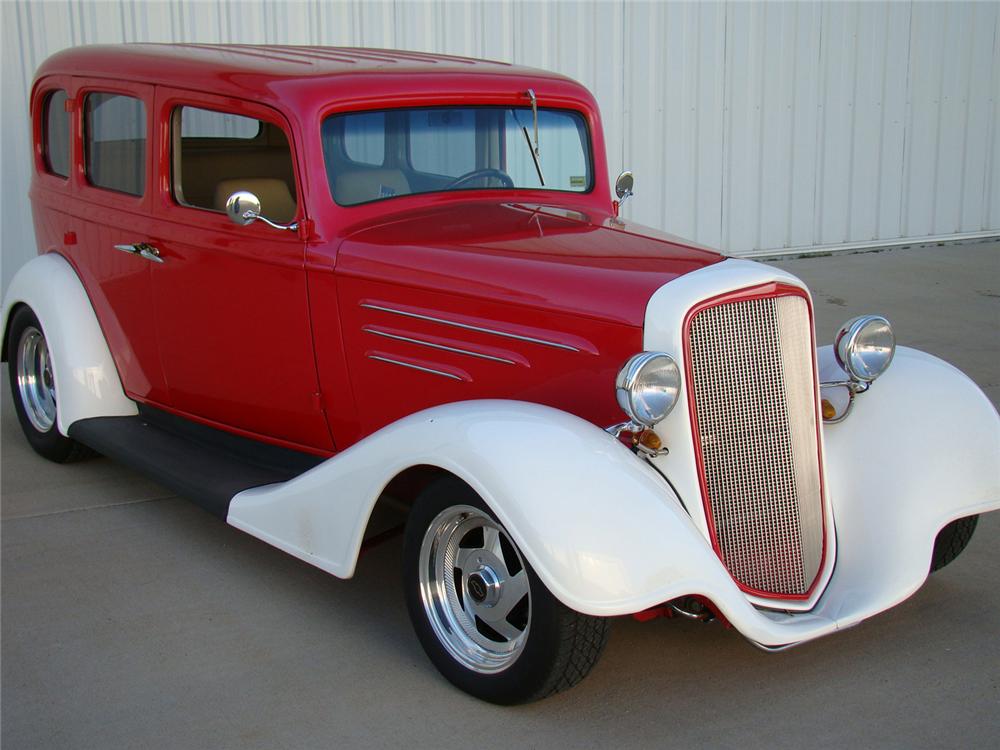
(750,126)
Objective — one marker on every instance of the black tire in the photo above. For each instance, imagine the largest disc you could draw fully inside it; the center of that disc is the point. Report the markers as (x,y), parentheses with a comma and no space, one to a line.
(559,646)
(48,443)
(952,540)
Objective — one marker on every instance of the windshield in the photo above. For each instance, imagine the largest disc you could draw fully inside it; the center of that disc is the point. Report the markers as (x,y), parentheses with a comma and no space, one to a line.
(379,155)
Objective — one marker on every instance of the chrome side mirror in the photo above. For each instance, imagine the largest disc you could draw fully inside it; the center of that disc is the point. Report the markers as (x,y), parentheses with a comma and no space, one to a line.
(243,207)
(623,187)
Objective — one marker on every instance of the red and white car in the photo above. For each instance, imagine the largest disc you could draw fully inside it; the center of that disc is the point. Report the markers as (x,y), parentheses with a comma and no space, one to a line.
(298,283)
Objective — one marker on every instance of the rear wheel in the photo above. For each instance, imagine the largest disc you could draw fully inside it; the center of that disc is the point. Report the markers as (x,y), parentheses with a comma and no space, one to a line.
(482,615)
(952,540)
(33,386)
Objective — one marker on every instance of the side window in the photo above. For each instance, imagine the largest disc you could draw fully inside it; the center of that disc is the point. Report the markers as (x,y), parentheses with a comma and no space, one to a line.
(207,123)
(115,142)
(364,138)
(55,134)
(214,154)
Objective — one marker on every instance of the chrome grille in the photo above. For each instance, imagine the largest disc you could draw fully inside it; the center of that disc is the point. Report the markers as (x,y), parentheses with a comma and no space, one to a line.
(755,410)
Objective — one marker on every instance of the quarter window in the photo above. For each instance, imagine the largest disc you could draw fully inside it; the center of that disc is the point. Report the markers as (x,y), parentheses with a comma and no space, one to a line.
(215,154)
(115,142)
(55,134)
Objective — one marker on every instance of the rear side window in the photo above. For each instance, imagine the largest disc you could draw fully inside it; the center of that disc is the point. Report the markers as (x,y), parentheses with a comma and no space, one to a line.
(214,154)
(55,134)
(115,142)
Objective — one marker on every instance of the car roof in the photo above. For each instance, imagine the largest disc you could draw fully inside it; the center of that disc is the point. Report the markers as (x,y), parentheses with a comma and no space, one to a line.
(283,73)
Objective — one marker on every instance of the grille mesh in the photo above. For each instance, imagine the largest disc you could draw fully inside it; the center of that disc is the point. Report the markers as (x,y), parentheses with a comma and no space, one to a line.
(754,405)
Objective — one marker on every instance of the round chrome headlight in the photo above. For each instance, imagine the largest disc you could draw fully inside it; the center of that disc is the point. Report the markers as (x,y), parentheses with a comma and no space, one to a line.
(647,387)
(864,347)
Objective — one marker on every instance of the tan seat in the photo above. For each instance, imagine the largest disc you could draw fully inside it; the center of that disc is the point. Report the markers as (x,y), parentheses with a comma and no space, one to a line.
(276,202)
(366,185)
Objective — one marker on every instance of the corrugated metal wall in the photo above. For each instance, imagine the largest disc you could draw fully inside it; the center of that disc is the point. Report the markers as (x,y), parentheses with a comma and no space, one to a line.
(750,126)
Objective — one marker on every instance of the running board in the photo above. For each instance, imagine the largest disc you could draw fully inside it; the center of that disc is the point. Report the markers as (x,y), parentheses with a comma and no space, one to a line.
(205,465)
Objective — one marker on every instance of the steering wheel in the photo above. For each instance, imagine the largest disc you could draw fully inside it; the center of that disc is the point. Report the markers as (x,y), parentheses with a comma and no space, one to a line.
(476,174)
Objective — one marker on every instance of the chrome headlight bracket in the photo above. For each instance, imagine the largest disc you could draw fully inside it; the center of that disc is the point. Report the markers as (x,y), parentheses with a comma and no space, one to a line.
(639,438)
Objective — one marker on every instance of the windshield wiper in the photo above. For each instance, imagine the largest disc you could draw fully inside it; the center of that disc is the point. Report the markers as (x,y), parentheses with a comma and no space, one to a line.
(533,150)
(534,155)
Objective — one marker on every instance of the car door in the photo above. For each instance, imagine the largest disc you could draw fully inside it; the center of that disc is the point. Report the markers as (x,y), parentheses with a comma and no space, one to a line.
(232,312)
(111,212)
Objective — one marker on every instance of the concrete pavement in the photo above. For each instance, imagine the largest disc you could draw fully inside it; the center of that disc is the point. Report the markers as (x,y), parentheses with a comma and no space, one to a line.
(130,618)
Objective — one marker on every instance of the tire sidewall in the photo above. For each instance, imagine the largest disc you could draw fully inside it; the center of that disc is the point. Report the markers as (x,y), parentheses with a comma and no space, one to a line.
(952,540)
(49,444)
(520,681)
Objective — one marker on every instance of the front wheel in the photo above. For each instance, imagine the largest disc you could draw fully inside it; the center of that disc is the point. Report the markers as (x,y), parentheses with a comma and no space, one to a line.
(482,615)
(33,386)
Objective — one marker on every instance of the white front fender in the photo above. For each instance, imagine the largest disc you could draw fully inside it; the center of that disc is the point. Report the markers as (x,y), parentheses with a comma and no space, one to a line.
(603,530)
(608,535)
(921,448)
(87,381)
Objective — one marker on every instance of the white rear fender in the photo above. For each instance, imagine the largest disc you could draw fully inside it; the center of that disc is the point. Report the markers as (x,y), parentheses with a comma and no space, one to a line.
(87,382)
(604,531)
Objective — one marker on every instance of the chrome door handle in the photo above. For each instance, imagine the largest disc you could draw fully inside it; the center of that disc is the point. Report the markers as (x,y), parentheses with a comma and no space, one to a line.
(143,250)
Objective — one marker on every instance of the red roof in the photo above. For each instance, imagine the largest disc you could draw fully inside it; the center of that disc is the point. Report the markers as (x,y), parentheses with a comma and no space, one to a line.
(277,72)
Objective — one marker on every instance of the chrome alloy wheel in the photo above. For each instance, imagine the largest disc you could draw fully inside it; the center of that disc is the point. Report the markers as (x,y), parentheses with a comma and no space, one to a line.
(474,588)
(35,381)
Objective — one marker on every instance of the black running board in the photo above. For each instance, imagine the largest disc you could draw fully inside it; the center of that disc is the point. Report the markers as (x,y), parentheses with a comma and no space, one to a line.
(202,464)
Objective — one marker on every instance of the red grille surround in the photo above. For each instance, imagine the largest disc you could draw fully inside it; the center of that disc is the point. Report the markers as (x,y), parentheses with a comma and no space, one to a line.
(762,292)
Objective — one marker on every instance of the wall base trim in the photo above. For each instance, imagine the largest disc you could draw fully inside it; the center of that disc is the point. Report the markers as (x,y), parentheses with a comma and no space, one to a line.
(860,247)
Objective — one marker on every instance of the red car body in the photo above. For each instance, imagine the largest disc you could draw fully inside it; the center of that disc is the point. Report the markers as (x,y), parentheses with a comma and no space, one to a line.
(278,336)
(207,312)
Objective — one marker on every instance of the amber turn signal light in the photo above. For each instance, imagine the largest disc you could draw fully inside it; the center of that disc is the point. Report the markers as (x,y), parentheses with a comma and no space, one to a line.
(651,440)
(829,412)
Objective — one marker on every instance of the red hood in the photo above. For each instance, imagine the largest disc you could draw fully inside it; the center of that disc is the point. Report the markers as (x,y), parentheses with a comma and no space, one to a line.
(549,258)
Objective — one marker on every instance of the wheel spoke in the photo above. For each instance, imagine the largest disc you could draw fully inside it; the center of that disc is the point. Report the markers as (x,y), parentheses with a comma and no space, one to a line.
(470,608)
(465,560)
(503,627)
(491,541)
(513,590)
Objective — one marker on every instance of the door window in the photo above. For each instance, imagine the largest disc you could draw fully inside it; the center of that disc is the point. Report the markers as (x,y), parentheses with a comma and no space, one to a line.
(115,142)
(214,154)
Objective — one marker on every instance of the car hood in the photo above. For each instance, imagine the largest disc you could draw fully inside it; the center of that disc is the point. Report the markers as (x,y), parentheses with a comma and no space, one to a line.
(552,258)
